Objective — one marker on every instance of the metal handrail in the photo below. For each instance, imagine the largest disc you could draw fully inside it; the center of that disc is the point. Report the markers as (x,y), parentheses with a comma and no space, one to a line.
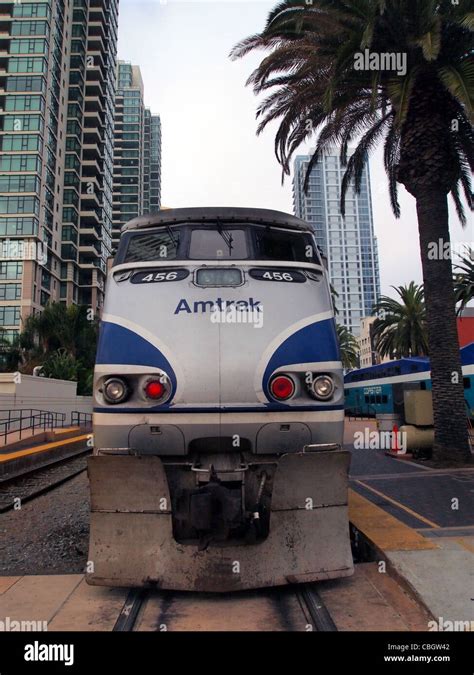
(29,418)
(81,419)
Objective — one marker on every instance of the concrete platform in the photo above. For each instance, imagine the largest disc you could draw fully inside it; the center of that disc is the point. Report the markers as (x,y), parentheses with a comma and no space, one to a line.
(366,601)
(28,437)
(65,443)
(421,522)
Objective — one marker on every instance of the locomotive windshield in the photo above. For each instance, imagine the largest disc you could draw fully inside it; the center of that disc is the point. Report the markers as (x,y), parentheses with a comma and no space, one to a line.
(218,241)
(156,245)
(277,245)
(222,243)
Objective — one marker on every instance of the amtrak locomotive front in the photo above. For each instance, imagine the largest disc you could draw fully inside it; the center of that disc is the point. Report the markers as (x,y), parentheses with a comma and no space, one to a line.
(219,407)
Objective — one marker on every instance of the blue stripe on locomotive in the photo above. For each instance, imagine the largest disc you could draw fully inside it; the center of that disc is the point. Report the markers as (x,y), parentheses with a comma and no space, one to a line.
(313,343)
(316,342)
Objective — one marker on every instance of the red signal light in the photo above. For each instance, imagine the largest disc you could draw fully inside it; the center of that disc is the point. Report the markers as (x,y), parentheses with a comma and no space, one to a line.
(155,389)
(282,387)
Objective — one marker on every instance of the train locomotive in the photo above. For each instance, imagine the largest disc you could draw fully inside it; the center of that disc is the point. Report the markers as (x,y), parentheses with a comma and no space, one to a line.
(218,408)
(379,390)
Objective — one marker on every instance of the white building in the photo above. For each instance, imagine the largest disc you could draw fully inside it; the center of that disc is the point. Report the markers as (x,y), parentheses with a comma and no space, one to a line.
(368,355)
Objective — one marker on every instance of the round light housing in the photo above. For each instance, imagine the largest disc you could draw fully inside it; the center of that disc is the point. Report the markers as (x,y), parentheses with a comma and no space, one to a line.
(323,387)
(115,390)
(157,389)
(282,387)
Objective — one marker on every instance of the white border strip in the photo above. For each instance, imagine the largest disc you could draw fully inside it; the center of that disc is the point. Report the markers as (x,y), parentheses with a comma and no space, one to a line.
(413,377)
(125,369)
(131,419)
(396,379)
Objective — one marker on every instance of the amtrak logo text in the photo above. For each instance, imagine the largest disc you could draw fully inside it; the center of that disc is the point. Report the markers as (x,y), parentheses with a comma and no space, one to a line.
(204,306)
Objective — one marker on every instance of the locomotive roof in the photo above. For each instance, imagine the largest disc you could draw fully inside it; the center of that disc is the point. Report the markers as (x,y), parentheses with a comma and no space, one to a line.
(225,214)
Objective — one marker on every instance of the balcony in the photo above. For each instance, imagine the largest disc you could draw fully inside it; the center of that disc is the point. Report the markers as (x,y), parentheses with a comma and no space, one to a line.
(90,201)
(90,250)
(96,43)
(93,119)
(90,216)
(94,231)
(98,56)
(94,103)
(91,168)
(92,136)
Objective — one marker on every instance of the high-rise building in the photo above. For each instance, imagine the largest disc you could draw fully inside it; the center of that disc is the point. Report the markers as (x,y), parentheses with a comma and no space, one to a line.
(349,243)
(57,81)
(137,151)
(91,98)
(152,184)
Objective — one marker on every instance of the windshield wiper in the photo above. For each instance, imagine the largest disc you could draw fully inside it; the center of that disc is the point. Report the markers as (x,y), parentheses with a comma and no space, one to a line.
(226,236)
(170,234)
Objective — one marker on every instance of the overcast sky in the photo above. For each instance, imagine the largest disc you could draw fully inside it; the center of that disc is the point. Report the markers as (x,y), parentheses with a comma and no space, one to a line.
(211,154)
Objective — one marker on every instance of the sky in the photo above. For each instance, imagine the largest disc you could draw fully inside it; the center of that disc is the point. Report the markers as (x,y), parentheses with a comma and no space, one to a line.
(211,155)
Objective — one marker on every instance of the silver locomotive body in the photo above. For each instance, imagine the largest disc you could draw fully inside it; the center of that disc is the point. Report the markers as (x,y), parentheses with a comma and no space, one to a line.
(218,408)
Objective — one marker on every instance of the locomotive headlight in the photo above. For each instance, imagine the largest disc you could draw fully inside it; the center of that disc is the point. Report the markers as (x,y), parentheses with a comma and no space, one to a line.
(115,390)
(323,387)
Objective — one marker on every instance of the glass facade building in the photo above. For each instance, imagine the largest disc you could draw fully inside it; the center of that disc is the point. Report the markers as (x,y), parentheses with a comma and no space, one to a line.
(349,243)
(57,84)
(137,151)
(152,175)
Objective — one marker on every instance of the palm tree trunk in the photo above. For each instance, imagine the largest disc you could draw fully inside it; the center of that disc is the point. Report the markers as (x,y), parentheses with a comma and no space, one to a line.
(451,440)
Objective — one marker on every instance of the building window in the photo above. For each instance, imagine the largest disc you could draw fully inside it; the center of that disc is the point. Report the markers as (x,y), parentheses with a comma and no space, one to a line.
(10,292)
(10,316)
(19,205)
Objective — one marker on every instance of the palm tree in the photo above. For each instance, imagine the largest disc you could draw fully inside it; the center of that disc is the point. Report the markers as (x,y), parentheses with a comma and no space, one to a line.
(45,329)
(464,280)
(334,297)
(63,340)
(61,327)
(400,329)
(349,348)
(422,111)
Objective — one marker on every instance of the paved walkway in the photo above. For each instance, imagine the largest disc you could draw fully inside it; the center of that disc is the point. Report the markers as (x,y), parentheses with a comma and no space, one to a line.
(421,520)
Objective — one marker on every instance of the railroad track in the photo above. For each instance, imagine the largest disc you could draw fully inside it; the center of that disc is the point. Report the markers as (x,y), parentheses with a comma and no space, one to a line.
(289,608)
(32,484)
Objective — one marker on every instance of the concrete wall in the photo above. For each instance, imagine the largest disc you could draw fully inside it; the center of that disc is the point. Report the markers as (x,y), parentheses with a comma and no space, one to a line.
(26,391)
